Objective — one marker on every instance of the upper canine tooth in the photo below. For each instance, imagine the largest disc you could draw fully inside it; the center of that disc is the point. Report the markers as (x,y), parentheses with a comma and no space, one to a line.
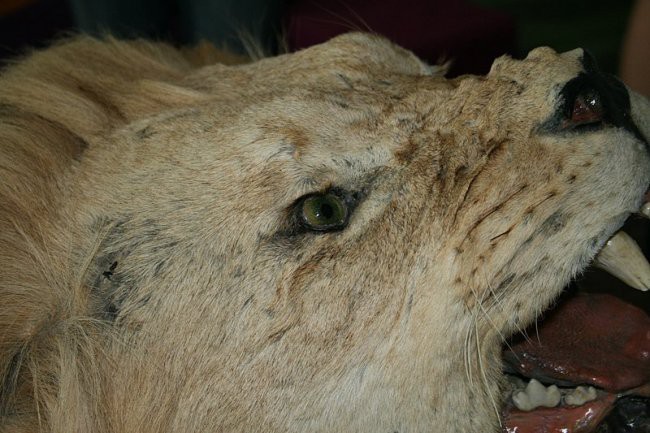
(623,258)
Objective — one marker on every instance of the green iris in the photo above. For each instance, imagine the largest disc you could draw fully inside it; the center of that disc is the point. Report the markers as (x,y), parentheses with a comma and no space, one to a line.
(324,212)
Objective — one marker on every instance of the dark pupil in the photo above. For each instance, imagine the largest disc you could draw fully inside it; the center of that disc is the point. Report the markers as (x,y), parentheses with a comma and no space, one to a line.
(326,211)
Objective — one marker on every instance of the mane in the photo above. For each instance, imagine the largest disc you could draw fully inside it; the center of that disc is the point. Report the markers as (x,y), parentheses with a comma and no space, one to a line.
(54,104)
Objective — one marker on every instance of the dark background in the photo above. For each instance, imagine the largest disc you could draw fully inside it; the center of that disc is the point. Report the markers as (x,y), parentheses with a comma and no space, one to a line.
(470,32)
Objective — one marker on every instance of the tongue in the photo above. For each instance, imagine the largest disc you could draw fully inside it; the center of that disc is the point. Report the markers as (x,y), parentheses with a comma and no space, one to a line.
(589,339)
(596,340)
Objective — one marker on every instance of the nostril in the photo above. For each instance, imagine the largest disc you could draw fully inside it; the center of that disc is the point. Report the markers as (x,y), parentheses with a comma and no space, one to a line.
(593,100)
(614,96)
(587,109)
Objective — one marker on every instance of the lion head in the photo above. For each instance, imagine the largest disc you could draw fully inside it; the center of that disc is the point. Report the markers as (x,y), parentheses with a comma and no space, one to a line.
(336,239)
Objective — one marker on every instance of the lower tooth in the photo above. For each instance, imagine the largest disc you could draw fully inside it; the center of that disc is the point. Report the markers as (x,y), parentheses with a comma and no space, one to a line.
(536,395)
(622,257)
(580,396)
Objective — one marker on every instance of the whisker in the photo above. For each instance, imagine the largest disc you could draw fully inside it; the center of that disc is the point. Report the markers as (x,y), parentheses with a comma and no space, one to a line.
(467,348)
(519,329)
(347,26)
(343,21)
(358,17)
(489,320)
(484,377)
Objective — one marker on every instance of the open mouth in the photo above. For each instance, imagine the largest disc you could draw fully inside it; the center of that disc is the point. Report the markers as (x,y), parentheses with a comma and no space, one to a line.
(585,366)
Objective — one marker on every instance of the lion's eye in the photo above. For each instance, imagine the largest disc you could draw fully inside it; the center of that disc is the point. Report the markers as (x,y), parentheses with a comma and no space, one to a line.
(324,212)
(587,109)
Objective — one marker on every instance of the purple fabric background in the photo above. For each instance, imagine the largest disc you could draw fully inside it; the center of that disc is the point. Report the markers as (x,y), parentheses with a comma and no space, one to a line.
(435,30)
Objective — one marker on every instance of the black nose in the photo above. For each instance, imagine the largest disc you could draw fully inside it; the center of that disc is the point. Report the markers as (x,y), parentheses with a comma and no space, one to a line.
(612,91)
(609,86)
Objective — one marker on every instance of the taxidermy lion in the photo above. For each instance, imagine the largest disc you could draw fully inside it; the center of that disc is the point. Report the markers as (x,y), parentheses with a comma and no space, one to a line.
(334,240)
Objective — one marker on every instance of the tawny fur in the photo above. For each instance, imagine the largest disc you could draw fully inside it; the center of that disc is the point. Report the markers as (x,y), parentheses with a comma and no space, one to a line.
(152,279)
